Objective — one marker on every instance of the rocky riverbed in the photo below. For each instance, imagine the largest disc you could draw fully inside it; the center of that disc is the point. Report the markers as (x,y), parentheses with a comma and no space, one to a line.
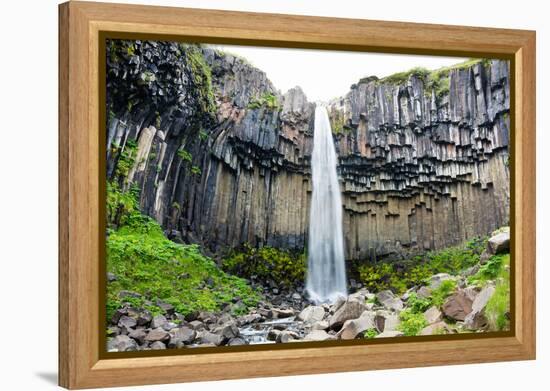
(285,317)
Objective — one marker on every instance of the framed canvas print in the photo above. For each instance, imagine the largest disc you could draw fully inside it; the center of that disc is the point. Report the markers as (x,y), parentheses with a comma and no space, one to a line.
(247,195)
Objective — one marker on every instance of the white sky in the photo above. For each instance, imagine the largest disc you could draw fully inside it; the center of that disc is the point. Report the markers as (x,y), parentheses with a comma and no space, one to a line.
(323,74)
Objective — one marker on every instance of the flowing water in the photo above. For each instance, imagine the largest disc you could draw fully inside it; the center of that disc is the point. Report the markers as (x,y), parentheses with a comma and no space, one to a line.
(326,274)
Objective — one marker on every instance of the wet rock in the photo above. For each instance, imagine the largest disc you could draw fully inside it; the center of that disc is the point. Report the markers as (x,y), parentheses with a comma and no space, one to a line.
(196,325)
(356,327)
(280,313)
(273,334)
(350,309)
(207,337)
(476,318)
(321,325)
(312,314)
(228,330)
(236,342)
(250,318)
(433,315)
(457,306)
(287,336)
(122,343)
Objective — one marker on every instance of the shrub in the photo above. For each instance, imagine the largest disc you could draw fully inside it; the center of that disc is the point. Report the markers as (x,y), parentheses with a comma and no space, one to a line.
(185,156)
(418,304)
(267,263)
(442,292)
(266,100)
(490,270)
(411,323)
(370,333)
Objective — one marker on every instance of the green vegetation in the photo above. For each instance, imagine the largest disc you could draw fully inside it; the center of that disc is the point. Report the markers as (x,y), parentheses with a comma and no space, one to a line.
(498,307)
(203,135)
(266,100)
(442,292)
(185,156)
(147,263)
(418,304)
(267,263)
(490,270)
(370,333)
(202,76)
(126,159)
(411,323)
(401,276)
(402,77)
(337,122)
(195,170)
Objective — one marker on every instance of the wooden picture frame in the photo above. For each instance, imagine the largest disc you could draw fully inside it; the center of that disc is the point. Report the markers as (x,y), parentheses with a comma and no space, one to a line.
(81,24)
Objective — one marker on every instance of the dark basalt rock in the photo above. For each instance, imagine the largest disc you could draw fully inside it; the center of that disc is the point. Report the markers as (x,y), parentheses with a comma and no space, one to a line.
(418,170)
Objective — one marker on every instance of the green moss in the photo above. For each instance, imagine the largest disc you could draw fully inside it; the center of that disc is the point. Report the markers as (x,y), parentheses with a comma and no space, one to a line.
(146,262)
(267,100)
(203,135)
(370,333)
(337,122)
(195,170)
(201,75)
(126,159)
(267,263)
(411,323)
(185,156)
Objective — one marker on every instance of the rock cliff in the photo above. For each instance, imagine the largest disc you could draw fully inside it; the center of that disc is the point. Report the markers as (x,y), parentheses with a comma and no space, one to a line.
(221,157)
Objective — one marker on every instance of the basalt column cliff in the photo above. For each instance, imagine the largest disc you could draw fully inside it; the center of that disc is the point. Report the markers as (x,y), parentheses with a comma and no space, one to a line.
(222,158)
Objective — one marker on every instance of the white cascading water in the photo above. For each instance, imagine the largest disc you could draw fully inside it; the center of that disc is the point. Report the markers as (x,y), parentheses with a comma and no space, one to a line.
(326,273)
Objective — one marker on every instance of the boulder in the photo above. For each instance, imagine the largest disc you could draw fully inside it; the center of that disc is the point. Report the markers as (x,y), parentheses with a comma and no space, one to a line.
(390,334)
(167,308)
(139,335)
(121,343)
(144,318)
(435,329)
(196,325)
(207,337)
(437,279)
(157,345)
(182,335)
(312,314)
(250,318)
(319,335)
(158,321)
(350,309)
(424,292)
(433,315)
(457,306)
(127,322)
(353,328)
(169,326)
(476,318)
(236,342)
(471,292)
(273,334)
(228,330)
(287,336)
(123,294)
(111,277)
(389,301)
(280,313)
(499,243)
(386,321)
(321,325)
(118,314)
(157,335)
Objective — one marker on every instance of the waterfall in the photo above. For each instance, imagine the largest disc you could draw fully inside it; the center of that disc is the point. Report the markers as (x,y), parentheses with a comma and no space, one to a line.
(326,273)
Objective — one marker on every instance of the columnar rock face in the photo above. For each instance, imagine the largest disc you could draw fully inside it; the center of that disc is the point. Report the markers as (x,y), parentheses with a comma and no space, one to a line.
(223,158)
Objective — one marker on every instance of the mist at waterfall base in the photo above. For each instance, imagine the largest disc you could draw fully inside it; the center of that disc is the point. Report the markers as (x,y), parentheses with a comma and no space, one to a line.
(326,273)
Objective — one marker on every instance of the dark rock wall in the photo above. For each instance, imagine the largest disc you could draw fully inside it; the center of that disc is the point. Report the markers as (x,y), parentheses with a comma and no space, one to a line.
(417,170)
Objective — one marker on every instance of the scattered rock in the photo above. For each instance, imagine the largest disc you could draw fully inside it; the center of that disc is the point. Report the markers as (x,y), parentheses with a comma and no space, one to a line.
(228,330)
(144,318)
(184,335)
(457,306)
(319,335)
(236,342)
(312,314)
(321,325)
(437,279)
(139,335)
(158,321)
(273,334)
(280,313)
(435,328)
(167,308)
(386,321)
(476,318)
(169,326)
(287,336)
(355,327)
(127,322)
(390,334)
(196,325)
(424,292)
(157,345)
(157,335)
(122,343)
(123,294)
(118,314)
(500,243)
(350,309)
(111,277)
(389,301)
(433,315)
(211,338)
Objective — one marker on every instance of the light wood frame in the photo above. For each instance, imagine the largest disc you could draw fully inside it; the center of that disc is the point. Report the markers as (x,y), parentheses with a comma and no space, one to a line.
(80,24)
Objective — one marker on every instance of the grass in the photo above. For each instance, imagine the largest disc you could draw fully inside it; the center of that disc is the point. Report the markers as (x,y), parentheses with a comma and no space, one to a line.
(411,323)
(444,290)
(268,100)
(146,262)
(401,276)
